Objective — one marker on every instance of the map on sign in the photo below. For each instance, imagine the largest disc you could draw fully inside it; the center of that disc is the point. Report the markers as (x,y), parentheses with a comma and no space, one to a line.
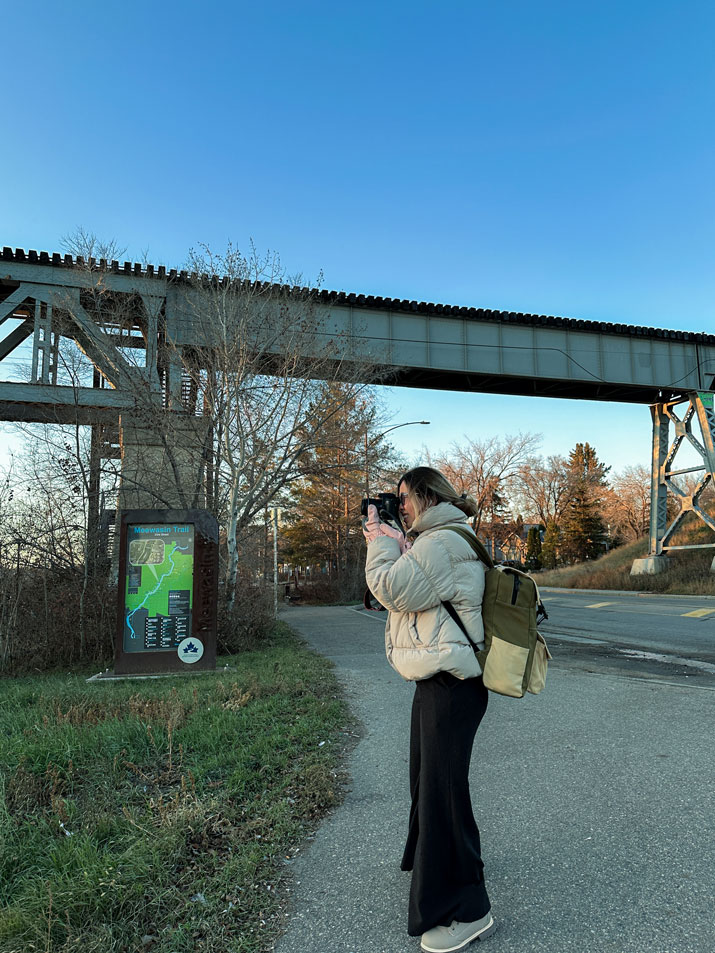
(145,551)
(159,586)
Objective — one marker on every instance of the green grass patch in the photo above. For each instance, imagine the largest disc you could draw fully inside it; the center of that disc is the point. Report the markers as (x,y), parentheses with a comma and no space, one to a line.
(689,573)
(158,816)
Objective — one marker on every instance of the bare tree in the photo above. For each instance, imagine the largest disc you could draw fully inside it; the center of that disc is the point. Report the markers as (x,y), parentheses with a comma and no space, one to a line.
(9,580)
(488,469)
(83,243)
(260,382)
(627,505)
(52,507)
(541,488)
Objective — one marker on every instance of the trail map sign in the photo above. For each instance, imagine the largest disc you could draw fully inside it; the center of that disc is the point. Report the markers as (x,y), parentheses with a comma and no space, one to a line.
(168,580)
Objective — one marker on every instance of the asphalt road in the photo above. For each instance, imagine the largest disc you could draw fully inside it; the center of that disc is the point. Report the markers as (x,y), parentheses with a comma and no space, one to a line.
(633,634)
(595,799)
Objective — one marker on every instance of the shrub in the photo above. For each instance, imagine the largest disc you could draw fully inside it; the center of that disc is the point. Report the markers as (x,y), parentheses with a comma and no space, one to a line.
(248,624)
(47,622)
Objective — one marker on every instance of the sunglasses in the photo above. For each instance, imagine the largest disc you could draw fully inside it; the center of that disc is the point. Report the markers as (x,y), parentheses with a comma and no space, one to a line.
(403,498)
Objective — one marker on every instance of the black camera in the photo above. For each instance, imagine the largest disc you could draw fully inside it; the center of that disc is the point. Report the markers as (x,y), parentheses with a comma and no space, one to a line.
(388,508)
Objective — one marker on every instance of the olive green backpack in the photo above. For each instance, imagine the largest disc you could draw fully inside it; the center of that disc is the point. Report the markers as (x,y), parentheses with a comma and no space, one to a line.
(515,655)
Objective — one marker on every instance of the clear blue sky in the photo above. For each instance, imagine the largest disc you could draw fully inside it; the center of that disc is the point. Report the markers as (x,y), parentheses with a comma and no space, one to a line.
(549,157)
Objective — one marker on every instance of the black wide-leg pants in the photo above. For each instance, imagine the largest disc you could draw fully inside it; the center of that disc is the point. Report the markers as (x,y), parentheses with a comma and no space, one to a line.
(443,849)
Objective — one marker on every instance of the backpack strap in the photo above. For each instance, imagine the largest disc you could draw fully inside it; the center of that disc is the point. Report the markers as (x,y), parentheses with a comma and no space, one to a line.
(371,603)
(476,544)
(482,554)
(455,616)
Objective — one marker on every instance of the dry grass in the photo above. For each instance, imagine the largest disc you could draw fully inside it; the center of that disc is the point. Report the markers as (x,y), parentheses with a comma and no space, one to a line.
(689,573)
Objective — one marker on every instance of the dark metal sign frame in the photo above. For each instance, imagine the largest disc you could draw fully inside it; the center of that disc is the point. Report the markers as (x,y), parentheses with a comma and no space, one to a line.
(183,639)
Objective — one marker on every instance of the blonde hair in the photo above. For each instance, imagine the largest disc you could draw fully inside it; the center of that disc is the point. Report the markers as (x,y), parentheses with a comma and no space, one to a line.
(427,486)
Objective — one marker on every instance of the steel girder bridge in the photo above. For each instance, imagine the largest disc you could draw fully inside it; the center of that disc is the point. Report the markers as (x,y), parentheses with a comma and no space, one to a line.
(48,300)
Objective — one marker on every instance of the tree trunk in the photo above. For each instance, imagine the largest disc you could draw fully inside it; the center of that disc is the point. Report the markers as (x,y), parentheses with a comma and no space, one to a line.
(232,567)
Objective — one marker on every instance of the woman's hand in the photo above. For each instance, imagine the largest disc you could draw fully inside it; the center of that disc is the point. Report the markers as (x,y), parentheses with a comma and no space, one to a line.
(387,530)
(372,528)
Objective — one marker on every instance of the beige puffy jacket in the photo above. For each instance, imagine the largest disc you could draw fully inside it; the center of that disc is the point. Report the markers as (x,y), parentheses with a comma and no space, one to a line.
(421,638)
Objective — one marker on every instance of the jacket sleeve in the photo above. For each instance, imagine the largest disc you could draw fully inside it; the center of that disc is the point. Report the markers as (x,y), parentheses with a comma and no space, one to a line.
(400,583)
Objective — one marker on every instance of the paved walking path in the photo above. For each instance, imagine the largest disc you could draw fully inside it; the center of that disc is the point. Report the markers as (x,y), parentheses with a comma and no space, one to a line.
(596,803)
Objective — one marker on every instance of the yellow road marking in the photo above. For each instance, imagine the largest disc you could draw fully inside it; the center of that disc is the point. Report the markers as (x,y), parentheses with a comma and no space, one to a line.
(599,605)
(698,613)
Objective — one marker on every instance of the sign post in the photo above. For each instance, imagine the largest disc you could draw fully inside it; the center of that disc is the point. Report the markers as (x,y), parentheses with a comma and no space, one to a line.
(168,590)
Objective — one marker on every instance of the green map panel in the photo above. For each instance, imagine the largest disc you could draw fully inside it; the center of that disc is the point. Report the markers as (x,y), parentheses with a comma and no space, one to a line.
(161,560)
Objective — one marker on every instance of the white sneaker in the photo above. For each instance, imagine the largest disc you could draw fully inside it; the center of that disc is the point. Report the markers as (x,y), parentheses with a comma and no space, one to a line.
(456,936)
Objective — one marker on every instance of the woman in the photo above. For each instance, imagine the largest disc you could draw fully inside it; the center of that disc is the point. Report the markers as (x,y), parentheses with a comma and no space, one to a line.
(449,906)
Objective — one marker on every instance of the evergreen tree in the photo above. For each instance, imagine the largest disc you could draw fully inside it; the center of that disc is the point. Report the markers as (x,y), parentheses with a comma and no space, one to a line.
(533,548)
(583,528)
(495,514)
(325,523)
(550,546)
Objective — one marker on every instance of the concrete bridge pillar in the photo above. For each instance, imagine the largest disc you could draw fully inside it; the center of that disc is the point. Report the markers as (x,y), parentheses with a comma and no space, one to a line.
(650,565)
(163,461)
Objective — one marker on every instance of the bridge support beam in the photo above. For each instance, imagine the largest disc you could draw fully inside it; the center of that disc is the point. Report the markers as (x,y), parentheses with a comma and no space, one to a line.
(700,408)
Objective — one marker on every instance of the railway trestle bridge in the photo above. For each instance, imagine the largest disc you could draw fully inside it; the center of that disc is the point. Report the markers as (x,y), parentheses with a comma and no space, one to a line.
(48,300)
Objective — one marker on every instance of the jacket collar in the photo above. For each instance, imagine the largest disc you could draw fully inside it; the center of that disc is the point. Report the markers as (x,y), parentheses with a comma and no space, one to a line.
(443,514)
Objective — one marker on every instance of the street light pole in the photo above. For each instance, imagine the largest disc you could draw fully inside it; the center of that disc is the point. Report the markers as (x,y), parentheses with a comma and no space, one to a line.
(410,423)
